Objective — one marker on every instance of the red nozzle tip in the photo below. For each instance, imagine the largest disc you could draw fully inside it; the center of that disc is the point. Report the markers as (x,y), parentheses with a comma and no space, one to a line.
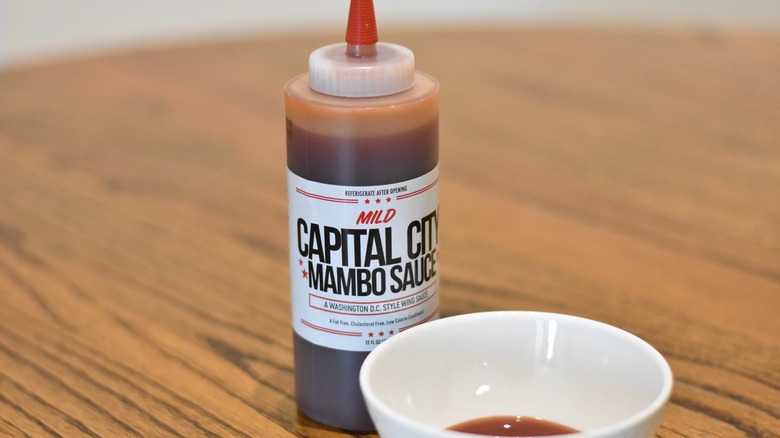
(361,27)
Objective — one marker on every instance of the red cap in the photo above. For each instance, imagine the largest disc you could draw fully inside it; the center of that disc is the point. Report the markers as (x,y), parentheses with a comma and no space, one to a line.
(361,27)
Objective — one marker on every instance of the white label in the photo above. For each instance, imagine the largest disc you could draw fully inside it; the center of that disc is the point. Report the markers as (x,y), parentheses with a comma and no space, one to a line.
(363,260)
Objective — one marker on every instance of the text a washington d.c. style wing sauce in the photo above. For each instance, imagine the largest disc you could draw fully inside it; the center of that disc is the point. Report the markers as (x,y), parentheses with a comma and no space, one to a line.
(363,163)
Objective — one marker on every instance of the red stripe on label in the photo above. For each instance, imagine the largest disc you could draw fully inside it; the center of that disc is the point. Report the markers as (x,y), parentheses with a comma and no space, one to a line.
(431,316)
(327,330)
(415,193)
(326,198)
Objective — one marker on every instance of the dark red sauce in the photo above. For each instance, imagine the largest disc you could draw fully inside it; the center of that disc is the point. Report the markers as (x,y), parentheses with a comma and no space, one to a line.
(326,379)
(512,426)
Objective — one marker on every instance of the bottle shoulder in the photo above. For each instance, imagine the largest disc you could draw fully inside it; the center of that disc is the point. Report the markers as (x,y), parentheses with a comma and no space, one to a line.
(365,116)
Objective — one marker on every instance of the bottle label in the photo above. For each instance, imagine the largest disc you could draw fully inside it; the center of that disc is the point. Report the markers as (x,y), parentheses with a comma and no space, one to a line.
(363,260)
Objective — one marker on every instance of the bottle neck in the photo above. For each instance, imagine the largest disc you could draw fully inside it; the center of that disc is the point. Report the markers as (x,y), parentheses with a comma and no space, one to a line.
(361,50)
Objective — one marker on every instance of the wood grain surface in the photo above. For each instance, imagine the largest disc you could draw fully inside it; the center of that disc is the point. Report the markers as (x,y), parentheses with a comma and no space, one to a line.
(633,178)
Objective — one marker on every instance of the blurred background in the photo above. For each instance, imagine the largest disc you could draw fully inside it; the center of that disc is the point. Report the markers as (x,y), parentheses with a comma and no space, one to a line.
(36,31)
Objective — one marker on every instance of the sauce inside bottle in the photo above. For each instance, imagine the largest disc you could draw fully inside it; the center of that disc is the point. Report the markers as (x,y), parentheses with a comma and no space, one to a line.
(326,378)
(512,426)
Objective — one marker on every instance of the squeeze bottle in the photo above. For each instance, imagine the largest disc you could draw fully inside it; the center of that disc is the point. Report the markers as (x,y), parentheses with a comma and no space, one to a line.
(363,195)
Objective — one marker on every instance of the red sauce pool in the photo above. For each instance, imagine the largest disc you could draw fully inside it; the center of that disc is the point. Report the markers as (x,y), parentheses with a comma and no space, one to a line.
(512,426)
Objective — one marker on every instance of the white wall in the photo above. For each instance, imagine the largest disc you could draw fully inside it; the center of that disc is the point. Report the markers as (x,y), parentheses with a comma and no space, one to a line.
(34,31)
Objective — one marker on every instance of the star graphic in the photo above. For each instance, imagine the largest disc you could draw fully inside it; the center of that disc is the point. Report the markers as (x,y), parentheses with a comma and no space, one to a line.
(300,262)
(367,201)
(389,199)
(378,201)
(392,332)
(370,334)
(305,274)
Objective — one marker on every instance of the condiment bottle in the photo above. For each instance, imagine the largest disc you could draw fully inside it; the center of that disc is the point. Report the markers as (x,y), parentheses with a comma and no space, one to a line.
(363,166)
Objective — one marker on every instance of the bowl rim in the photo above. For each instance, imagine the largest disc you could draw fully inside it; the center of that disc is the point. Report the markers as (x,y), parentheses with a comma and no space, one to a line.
(626,423)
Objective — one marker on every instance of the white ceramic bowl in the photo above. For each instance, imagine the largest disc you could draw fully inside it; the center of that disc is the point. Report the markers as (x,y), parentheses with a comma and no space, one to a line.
(577,372)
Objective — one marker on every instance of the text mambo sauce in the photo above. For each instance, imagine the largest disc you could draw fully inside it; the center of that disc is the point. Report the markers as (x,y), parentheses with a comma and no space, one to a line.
(364,261)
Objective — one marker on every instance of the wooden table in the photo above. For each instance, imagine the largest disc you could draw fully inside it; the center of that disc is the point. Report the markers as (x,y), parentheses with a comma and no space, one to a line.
(633,178)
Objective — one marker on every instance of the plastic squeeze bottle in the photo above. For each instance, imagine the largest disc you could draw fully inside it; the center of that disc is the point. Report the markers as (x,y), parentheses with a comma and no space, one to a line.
(363,165)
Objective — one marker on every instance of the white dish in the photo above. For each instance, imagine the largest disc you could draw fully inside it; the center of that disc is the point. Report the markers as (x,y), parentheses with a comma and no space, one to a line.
(577,372)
